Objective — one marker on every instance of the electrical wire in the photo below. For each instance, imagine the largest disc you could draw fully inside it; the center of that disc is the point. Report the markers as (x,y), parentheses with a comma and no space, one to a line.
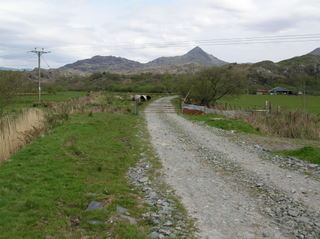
(45,61)
(297,38)
(225,41)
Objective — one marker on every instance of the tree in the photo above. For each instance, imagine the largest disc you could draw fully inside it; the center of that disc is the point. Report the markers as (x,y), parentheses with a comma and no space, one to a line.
(211,84)
(10,83)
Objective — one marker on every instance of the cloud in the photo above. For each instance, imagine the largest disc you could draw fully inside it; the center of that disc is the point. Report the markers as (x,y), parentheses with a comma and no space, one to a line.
(273,25)
(77,29)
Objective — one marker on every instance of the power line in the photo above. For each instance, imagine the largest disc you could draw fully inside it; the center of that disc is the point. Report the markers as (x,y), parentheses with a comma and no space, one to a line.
(45,62)
(39,53)
(298,38)
(279,39)
(218,43)
(224,41)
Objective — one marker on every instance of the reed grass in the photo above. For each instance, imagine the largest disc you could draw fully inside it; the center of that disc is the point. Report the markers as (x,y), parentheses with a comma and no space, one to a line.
(19,129)
(294,124)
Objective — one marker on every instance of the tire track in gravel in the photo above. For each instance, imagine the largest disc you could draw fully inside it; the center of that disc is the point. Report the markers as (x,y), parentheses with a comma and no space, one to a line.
(233,193)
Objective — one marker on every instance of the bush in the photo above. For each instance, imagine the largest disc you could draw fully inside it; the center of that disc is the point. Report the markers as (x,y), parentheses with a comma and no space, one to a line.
(211,84)
(10,84)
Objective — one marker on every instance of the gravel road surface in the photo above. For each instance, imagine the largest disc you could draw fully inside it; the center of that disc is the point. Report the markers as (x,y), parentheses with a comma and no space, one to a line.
(231,190)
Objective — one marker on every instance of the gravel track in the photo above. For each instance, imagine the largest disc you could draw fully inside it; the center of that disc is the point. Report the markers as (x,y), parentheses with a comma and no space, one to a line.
(230,190)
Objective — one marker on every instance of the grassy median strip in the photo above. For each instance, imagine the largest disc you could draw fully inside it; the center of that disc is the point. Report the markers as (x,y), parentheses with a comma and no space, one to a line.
(46,187)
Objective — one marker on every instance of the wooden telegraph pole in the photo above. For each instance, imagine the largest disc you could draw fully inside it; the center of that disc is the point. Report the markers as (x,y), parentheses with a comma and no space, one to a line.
(39,54)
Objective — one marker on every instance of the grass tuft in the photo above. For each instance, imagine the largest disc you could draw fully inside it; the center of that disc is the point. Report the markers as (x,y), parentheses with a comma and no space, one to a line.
(220,121)
(308,153)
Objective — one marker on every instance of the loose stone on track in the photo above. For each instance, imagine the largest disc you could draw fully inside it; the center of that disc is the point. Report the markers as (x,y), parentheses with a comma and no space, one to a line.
(232,191)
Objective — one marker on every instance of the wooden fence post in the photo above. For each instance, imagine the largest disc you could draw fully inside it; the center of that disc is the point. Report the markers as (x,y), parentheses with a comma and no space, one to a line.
(270,107)
(135,110)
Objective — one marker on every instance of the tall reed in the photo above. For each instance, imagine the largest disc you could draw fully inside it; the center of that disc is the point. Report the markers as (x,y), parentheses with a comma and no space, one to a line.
(18,130)
(293,124)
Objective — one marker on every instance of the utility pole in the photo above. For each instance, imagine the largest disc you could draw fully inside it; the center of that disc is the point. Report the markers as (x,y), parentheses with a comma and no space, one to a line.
(39,53)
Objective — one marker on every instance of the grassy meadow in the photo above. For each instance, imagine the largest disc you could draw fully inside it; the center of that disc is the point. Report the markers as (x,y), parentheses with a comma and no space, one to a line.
(286,102)
(46,187)
(26,101)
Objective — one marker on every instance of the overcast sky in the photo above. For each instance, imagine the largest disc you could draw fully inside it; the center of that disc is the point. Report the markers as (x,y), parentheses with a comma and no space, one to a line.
(79,29)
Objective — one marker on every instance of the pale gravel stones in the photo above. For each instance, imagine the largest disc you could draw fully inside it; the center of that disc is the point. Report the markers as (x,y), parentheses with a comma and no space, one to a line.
(168,223)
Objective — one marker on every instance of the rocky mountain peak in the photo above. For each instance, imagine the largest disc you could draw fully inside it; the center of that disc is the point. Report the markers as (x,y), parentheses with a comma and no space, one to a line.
(197,51)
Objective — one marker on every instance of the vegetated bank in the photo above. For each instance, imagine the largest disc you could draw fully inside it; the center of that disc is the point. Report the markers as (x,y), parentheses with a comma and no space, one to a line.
(71,183)
(47,186)
(20,122)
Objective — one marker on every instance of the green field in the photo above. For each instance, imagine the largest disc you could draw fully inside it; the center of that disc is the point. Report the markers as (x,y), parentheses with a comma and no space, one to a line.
(46,187)
(287,102)
(25,101)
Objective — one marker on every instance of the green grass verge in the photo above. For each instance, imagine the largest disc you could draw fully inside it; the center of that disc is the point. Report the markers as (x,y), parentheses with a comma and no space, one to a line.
(287,102)
(308,153)
(218,121)
(44,188)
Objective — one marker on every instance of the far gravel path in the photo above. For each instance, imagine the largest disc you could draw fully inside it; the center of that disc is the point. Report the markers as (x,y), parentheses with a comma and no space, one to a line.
(231,191)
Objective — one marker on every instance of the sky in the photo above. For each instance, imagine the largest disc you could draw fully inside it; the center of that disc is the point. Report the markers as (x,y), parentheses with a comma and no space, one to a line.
(143,30)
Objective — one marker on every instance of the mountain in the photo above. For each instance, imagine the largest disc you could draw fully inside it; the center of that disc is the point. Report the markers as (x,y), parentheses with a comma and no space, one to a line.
(104,63)
(195,58)
(315,52)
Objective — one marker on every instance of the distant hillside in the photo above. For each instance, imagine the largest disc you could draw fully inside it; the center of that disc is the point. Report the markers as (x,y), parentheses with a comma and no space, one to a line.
(315,52)
(290,73)
(178,64)
(104,63)
(52,75)
(307,64)
(12,69)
